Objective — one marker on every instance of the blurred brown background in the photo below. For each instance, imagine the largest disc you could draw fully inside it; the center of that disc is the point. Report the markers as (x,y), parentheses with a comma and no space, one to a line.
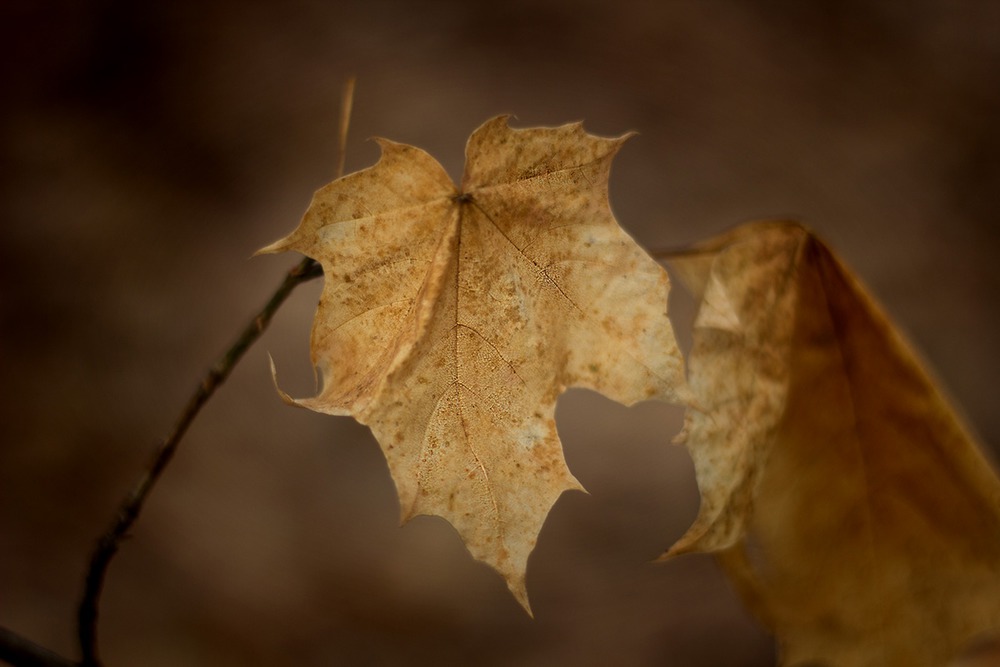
(148,148)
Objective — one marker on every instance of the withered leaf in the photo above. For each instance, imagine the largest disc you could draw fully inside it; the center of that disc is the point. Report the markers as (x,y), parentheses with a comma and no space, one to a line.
(849,504)
(452,318)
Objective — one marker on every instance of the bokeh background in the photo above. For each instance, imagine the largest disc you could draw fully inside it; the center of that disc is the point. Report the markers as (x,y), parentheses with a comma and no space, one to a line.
(148,148)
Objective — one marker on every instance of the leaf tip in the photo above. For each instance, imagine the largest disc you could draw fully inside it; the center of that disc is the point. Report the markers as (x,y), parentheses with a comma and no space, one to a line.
(688,543)
(518,588)
(272,248)
(680,548)
(573,484)
(288,400)
(406,512)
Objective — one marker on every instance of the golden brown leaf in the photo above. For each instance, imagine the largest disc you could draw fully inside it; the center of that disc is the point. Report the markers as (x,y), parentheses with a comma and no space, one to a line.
(452,319)
(851,506)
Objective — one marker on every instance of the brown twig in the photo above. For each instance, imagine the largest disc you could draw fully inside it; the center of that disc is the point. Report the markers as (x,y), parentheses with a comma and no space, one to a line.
(16,650)
(21,652)
(128,511)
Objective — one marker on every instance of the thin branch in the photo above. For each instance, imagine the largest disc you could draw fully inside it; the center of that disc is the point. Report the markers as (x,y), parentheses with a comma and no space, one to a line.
(128,511)
(21,652)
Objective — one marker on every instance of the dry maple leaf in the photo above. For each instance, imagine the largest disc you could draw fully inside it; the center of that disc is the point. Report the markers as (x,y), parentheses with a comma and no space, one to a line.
(452,318)
(851,507)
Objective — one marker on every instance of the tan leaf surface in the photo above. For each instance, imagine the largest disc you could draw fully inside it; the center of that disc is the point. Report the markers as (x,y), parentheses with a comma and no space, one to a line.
(452,318)
(851,506)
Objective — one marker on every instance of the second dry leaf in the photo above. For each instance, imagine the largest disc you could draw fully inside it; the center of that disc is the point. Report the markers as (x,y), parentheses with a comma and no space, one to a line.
(849,503)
